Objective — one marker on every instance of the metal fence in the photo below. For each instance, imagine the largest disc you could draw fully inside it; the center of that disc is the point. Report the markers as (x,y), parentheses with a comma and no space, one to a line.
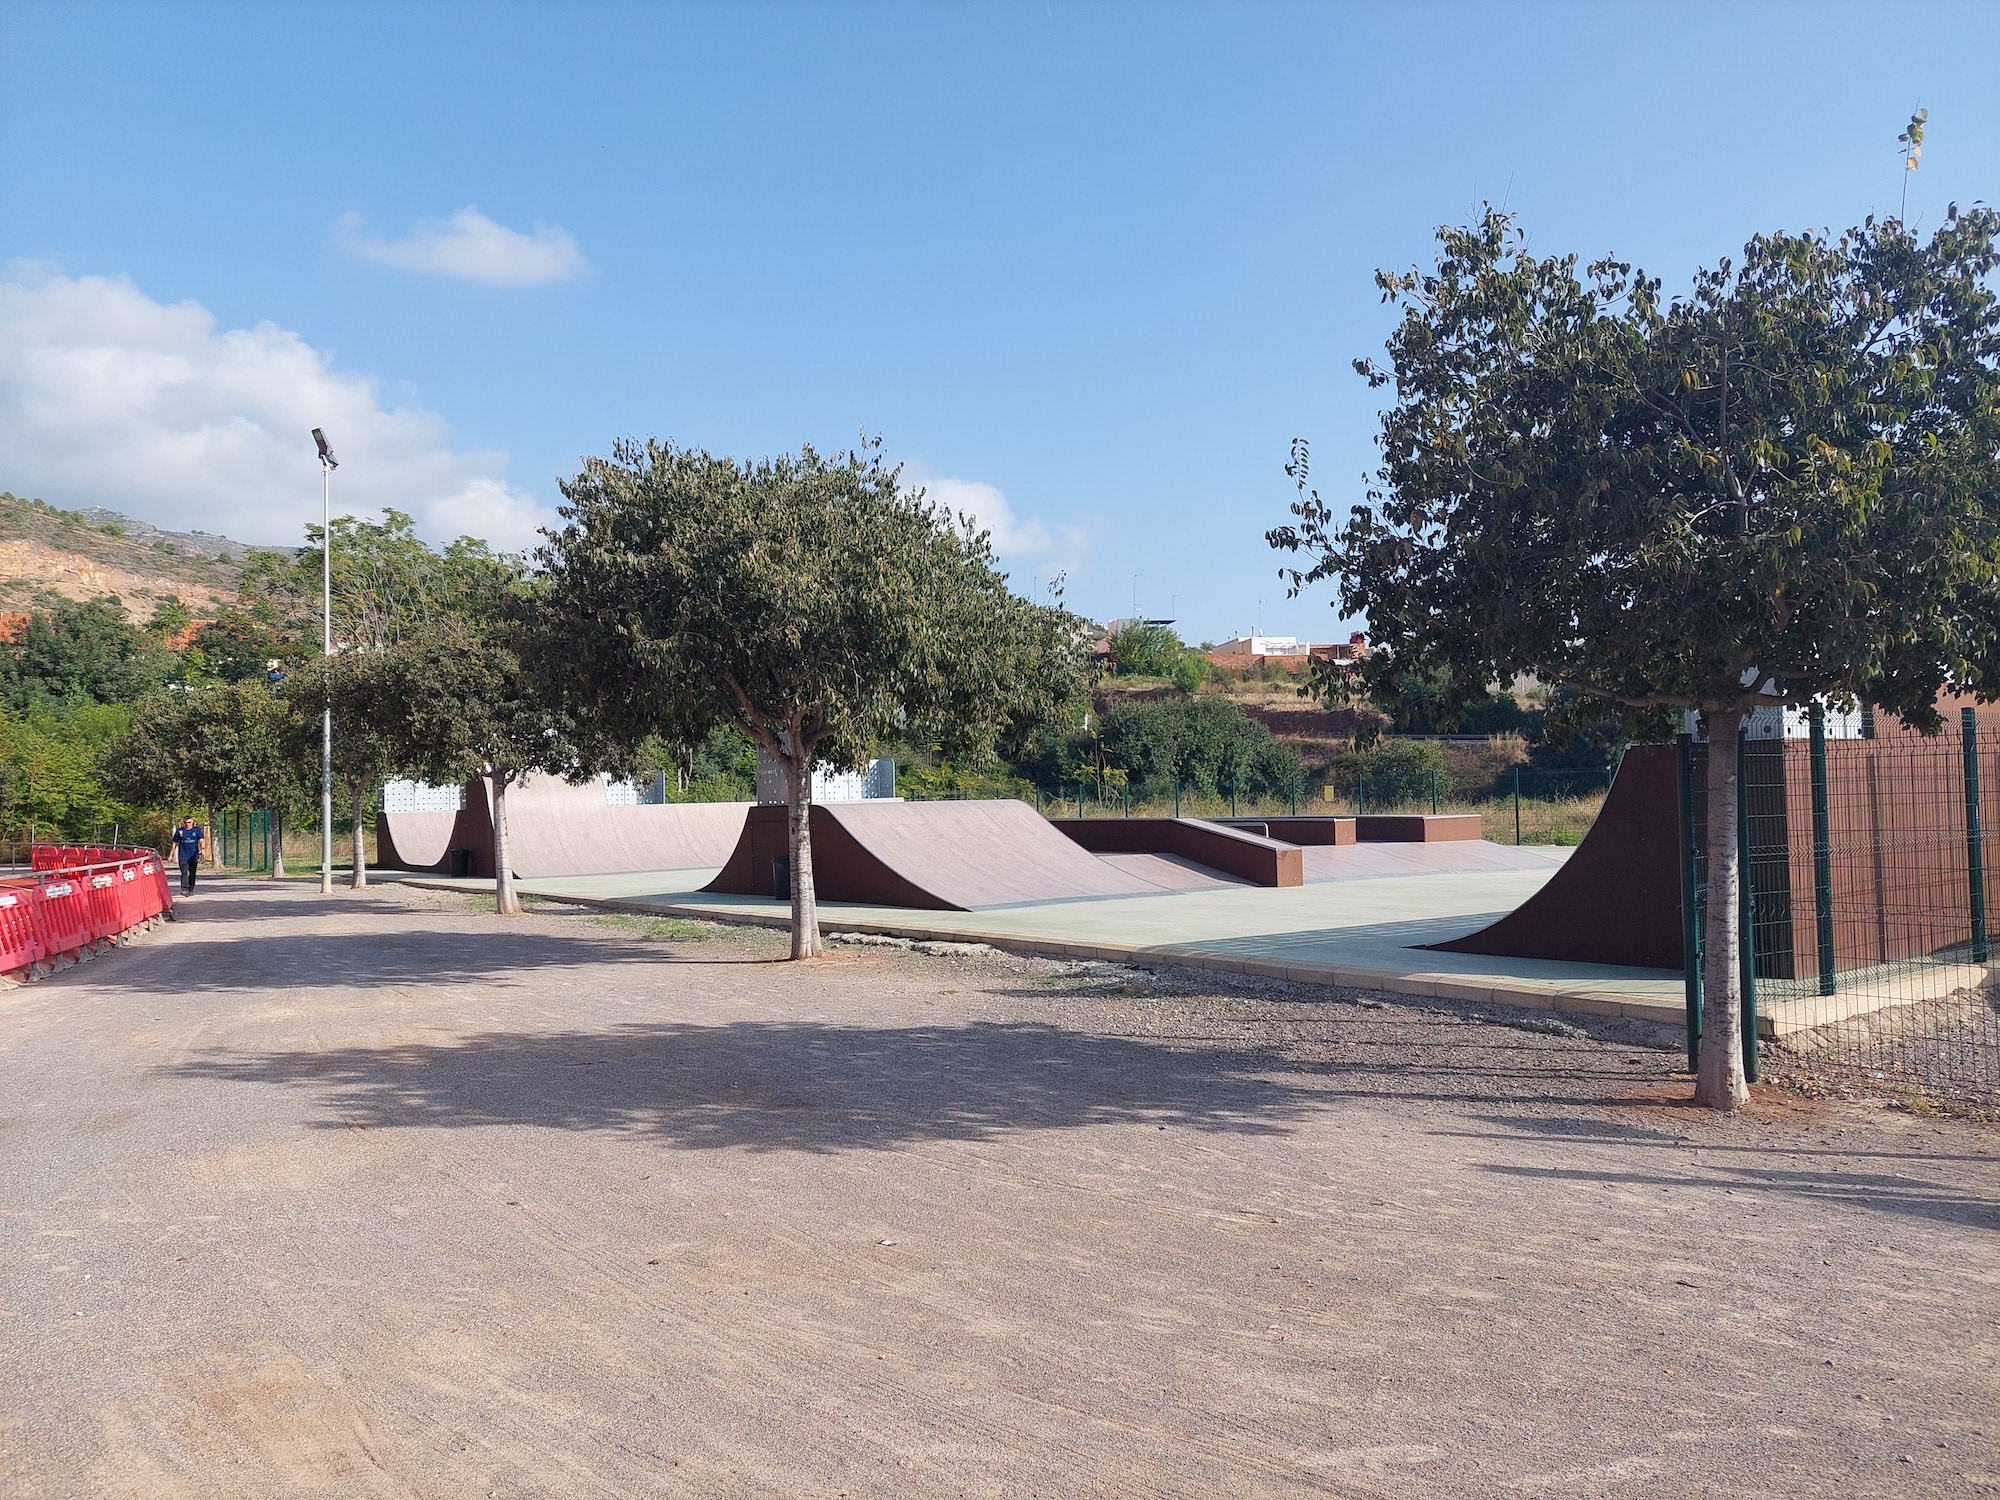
(1871,875)
(243,839)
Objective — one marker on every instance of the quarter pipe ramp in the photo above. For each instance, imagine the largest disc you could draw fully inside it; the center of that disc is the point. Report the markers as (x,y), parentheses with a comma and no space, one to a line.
(554,828)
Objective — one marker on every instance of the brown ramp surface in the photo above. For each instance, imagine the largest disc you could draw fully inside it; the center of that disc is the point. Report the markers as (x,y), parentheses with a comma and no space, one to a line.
(554,828)
(938,856)
(1617,899)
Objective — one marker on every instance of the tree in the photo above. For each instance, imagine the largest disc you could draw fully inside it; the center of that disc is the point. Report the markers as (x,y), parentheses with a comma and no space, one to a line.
(806,601)
(1775,488)
(79,651)
(371,727)
(210,747)
(475,696)
(1206,744)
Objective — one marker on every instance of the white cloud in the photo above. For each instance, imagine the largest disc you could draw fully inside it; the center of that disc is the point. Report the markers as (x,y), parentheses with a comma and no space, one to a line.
(1055,549)
(110,398)
(471,246)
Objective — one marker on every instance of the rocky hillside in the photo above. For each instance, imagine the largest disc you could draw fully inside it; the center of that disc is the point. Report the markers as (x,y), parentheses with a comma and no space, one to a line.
(94,553)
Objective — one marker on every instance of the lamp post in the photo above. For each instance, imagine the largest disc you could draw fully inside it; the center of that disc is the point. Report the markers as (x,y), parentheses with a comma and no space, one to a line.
(327,464)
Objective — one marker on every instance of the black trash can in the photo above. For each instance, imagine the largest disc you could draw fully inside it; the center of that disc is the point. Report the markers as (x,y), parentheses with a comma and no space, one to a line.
(460,863)
(781,878)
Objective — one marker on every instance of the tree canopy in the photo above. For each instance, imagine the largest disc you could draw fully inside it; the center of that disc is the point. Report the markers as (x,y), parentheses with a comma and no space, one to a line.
(1777,486)
(807,601)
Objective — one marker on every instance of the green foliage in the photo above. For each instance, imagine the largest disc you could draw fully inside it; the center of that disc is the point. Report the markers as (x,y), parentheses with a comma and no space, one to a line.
(1425,703)
(1396,773)
(49,780)
(1781,486)
(1156,651)
(807,602)
(228,744)
(78,652)
(722,768)
(371,737)
(1206,744)
(799,597)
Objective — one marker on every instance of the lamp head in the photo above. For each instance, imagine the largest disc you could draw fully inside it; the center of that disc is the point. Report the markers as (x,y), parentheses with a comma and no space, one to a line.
(325,450)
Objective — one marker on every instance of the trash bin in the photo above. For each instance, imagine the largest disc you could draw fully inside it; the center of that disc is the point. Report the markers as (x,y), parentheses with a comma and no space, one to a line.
(460,863)
(781,878)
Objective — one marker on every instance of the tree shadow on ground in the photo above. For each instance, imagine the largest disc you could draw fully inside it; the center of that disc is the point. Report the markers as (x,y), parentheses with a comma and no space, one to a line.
(366,961)
(1755,1168)
(787,1086)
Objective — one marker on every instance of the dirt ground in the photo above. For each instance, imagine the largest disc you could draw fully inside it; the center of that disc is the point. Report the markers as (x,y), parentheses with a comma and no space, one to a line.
(380,1195)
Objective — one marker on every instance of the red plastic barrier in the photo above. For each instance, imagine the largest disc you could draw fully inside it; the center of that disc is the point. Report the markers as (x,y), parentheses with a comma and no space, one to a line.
(82,895)
(20,943)
(64,913)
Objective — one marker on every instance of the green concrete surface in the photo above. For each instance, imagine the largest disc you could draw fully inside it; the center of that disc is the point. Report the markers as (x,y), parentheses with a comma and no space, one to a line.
(1361,933)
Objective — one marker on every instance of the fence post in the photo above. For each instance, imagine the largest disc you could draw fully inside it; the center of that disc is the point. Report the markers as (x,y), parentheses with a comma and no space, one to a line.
(1177,796)
(1517,805)
(1690,915)
(1822,852)
(1746,906)
(1434,792)
(1975,853)
(1360,793)
(1079,798)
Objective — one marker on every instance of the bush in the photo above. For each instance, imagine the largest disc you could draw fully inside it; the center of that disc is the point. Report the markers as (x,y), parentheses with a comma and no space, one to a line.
(1396,773)
(1155,651)
(1205,744)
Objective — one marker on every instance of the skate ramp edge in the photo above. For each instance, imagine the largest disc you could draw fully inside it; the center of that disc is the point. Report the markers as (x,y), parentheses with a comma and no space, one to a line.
(1235,851)
(1617,899)
(556,829)
(934,856)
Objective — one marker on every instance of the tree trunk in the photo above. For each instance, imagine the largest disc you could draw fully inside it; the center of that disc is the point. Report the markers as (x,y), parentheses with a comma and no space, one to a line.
(277,844)
(360,854)
(805,907)
(504,900)
(1721,1084)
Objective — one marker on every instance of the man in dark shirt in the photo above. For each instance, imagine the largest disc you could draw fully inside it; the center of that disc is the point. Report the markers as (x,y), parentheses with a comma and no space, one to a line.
(189,841)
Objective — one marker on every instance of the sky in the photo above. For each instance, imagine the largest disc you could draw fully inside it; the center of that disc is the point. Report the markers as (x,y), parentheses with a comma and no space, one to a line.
(1086,270)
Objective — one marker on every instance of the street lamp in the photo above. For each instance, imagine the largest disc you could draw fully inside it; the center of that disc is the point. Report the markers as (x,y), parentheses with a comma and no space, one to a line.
(327,464)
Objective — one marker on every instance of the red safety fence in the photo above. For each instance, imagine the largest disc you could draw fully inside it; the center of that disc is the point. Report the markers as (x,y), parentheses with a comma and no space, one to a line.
(76,898)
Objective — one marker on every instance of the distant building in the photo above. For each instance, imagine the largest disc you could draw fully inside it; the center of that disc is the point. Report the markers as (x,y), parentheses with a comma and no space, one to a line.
(1255,650)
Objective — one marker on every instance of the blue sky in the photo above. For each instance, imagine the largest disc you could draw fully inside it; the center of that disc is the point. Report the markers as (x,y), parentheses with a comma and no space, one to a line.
(1087,268)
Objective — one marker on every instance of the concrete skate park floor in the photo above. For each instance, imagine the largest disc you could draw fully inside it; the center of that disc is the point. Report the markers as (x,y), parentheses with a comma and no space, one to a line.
(1365,933)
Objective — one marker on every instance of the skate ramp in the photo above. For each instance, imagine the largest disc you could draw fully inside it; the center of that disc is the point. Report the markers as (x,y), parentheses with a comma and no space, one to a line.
(933,856)
(1617,899)
(556,829)
(414,840)
(1233,849)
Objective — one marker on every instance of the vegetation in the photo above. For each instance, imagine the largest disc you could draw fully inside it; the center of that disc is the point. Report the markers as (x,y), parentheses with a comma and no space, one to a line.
(809,603)
(225,744)
(1776,488)
(1142,650)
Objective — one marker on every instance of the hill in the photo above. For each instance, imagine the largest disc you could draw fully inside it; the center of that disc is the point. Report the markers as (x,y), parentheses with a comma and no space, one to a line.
(98,553)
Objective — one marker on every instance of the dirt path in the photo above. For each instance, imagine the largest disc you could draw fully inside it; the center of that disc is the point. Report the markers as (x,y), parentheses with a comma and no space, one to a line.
(382,1196)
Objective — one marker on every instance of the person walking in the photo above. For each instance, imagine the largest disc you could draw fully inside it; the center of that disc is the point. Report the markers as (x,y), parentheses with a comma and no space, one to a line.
(190,841)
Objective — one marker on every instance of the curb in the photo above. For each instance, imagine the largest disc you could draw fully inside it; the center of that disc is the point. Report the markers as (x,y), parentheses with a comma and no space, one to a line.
(1525,994)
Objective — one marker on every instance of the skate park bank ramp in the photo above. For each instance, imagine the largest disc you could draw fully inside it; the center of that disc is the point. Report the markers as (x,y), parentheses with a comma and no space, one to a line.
(555,829)
(933,856)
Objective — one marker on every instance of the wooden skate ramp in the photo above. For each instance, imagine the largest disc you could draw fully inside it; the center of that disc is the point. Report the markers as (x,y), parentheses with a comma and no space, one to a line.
(933,856)
(1617,899)
(556,829)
